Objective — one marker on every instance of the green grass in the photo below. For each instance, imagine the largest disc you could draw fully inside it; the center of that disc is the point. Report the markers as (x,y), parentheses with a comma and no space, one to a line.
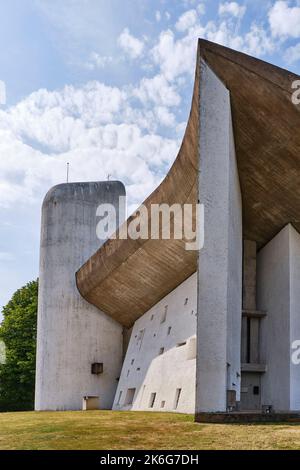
(107,430)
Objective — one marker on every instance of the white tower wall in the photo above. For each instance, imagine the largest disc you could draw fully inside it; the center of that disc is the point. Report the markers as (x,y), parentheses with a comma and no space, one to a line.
(72,334)
(220,260)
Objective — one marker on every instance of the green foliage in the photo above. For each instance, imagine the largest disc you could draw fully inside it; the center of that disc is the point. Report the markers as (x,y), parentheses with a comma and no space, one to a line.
(18,332)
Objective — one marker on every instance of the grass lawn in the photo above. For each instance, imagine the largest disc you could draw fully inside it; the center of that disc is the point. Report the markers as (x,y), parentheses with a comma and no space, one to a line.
(136,430)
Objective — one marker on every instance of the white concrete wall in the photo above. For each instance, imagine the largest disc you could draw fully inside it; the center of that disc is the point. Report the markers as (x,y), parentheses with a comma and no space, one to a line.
(72,334)
(273,296)
(150,372)
(278,292)
(294,315)
(220,260)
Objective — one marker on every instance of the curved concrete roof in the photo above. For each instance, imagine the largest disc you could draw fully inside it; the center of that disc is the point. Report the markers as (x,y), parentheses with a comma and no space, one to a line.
(125,278)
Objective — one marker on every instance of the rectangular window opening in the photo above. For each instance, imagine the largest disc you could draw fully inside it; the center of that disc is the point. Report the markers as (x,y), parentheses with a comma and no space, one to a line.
(129,396)
(164,315)
(120,396)
(152,400)
(177,397)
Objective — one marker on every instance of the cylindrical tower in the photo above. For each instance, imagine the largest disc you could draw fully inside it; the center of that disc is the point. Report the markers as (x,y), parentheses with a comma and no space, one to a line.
(72,334)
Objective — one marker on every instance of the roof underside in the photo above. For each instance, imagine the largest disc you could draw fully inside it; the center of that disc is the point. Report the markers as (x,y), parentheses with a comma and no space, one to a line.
(125,278)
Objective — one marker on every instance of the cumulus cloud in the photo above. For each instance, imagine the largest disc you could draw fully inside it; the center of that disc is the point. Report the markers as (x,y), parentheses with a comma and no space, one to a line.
(96,128)
(96,61)
(292,54)
(158,16)
(185,21)
(284,20)
(131,45)
(158,91)
(232,8)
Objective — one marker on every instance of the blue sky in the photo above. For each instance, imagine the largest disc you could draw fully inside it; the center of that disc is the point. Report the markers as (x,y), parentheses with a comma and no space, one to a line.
(106,85)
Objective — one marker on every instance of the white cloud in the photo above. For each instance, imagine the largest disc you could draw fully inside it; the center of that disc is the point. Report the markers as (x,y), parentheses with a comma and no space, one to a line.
(201,9)
(158,91)
(292,54)
(130,44)
(284,20)
(232,8)
(165,117)
(96,128)
(158,16)
(96,61)
(2,92)
(175,57)
(185,21)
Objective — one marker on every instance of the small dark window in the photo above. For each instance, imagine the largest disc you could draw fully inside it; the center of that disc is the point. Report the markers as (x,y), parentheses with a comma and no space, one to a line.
(186,301)
(256,390)
(97,368)
(152,400)
(169,330)
(177,396)
(161,351)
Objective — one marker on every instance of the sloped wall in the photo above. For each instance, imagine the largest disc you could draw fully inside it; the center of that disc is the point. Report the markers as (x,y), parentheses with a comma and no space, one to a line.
(148,369)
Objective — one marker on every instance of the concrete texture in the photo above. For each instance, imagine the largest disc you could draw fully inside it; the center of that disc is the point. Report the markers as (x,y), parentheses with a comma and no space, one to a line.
(149,369)
(72,334)
(220,260)
(274,296)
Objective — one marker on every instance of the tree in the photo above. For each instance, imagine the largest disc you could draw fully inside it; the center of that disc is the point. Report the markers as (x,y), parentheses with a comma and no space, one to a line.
(18,332)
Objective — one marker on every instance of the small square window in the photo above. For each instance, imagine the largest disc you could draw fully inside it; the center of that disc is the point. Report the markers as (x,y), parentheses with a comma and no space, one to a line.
(256,390)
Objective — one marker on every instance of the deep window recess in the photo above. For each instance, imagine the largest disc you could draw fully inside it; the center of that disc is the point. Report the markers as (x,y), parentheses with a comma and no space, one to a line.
(161,351)
(177,397)
(152,400)
(140,338)
(164,315)
(129,396)
(120,396)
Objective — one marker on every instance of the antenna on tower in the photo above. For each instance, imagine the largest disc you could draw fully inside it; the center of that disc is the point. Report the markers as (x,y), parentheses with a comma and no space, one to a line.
(68,165)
